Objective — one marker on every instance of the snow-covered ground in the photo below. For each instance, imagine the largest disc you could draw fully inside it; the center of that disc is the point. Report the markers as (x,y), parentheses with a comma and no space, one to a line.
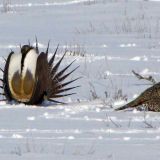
(108,39)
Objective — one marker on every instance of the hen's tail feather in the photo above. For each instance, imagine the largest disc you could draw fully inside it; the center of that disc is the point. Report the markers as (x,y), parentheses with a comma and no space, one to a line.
(138,101)
(122,108)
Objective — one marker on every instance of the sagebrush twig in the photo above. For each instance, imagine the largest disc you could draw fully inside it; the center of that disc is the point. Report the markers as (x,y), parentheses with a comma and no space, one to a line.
(149,78)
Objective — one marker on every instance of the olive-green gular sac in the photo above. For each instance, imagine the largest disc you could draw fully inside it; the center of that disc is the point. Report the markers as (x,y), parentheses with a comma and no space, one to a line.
(30,78)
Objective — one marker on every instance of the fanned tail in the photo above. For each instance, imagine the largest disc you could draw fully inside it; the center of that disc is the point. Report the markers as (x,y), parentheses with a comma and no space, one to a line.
(57,86)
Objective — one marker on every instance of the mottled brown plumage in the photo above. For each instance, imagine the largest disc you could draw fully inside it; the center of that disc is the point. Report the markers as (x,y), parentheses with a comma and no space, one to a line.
(150,99)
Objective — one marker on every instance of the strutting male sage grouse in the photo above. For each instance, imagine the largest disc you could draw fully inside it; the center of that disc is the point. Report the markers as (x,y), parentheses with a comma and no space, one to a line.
(30,78)
(150,99)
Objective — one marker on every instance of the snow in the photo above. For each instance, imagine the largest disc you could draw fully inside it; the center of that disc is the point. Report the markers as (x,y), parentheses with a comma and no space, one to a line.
(108,39)
(86,134)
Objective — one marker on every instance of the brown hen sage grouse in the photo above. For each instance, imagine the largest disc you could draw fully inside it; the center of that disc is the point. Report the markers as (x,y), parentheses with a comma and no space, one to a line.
(30,78)
(150,99)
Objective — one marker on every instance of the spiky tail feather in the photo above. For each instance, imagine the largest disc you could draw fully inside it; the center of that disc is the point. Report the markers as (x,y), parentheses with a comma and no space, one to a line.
(57,83)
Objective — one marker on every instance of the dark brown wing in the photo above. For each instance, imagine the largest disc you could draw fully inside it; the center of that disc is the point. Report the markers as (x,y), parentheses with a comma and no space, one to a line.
(41,80)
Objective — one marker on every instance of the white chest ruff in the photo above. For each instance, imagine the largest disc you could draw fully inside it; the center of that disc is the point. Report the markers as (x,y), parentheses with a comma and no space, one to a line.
(30,63)
(21,82)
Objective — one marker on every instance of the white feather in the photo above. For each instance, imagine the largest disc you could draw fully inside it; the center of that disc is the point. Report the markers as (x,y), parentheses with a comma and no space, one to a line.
(30,63)
(14,65)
